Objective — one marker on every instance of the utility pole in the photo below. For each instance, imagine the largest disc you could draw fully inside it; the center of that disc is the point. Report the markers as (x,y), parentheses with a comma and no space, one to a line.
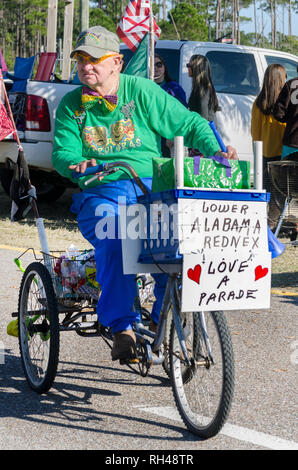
(67,38)
(84,14)
(52,25)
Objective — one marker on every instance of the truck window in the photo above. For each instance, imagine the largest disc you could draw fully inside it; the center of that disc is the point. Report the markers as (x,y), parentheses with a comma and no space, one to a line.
(234,72)
(289,65)
(172,59)
(170,56)
(127,55)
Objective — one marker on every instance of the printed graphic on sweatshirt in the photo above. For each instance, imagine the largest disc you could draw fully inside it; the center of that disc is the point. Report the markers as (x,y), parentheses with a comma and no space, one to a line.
(120,136)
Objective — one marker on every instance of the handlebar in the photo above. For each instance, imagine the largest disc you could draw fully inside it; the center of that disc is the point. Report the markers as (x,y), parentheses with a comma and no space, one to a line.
(223,148)
(91,170)
(109,168)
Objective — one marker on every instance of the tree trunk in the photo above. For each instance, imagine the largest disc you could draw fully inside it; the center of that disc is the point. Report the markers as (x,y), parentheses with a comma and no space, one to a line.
(218,15)
(233,22)
(290,18)
(23,30)
(164,10)
(273,22)
(238,22)
(2,30)
(255,21)
(224,18)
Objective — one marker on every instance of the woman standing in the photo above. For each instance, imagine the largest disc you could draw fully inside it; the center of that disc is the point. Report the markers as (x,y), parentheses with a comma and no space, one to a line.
(265,128)
(163,78)
(203,99)
(286,111)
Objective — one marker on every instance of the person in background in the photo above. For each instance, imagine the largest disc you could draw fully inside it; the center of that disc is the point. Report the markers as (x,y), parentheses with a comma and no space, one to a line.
(203,99)
(265,128)
(286,111)
(163,78)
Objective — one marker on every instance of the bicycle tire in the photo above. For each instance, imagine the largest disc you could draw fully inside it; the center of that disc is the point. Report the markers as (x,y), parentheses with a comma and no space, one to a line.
(203,392)
(38,323)
(166,345)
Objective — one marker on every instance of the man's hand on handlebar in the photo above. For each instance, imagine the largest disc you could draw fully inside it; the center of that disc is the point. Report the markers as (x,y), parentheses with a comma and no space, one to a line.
(231,153)
(82,166)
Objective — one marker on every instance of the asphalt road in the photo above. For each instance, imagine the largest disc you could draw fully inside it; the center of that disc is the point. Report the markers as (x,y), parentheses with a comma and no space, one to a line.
(98,404)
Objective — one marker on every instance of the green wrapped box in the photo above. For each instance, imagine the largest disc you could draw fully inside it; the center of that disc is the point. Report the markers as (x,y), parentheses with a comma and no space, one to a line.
(201,173)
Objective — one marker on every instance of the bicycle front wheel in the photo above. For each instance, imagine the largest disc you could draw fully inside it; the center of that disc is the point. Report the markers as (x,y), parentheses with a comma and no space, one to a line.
(38,323)
(203,391)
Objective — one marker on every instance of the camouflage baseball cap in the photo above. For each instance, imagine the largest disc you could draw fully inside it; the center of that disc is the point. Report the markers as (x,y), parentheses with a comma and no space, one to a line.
(96,42)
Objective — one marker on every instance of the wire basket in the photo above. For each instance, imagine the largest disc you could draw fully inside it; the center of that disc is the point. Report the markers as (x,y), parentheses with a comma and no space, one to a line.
(283,176)
(73,278)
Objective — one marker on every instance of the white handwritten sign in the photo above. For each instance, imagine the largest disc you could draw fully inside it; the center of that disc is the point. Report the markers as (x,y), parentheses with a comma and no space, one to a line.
(229,282)
(221,226)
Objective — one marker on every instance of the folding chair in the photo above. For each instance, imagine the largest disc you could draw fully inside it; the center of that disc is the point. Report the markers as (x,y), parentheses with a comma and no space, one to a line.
(74,77)
(76,80)
(46,66)
(23,71)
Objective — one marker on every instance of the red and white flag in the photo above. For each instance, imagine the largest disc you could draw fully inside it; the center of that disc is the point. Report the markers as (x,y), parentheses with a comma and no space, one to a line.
(135,23)
(6,126)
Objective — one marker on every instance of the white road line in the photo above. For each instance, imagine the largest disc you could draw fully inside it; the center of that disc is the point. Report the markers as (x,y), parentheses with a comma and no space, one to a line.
(231,430)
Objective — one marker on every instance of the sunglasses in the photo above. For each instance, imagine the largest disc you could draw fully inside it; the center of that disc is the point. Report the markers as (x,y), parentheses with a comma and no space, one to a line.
(188,66)
(87,59)
(158,64)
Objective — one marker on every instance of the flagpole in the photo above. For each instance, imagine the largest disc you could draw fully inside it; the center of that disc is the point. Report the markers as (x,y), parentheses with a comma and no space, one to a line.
(148,57)
(151,41)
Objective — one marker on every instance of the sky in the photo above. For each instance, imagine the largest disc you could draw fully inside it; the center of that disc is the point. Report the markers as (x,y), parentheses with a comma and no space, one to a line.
(282,21)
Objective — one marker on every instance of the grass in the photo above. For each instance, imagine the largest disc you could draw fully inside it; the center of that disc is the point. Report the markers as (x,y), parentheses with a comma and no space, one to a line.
(60,225)
(62,230)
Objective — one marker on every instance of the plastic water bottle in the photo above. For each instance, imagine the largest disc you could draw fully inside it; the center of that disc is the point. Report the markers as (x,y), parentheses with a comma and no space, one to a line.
(72,252)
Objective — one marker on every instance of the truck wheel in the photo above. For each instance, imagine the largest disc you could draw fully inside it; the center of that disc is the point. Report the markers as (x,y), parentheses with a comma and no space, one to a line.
(46,192)
(5,178)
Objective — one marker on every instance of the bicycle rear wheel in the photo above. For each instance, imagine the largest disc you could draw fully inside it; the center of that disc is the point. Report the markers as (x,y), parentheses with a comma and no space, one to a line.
(203,391)
(166,344)
(38,323)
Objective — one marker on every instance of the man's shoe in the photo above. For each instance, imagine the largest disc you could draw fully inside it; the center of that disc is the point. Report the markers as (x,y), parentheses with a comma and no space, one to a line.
(124,346)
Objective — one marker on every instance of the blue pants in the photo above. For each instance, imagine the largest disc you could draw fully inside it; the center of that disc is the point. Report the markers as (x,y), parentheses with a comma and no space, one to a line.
(97,209)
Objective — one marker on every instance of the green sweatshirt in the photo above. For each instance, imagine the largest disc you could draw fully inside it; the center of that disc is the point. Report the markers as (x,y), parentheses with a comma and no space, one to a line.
(130,133)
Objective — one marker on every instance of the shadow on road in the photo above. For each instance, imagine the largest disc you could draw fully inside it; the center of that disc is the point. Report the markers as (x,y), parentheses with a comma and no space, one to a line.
(69,403)
(287,279)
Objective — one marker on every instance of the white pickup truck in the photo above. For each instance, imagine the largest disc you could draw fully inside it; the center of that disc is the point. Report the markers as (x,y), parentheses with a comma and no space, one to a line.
(237,73)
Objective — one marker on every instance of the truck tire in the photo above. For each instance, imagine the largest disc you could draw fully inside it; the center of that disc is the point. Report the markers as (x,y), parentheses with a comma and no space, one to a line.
(46,192)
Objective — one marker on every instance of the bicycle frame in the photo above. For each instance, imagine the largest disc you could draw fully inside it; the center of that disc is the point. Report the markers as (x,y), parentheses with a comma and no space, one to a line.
(170,298)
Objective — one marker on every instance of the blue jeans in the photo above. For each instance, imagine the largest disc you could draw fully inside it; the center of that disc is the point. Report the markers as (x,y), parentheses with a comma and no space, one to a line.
(118,291)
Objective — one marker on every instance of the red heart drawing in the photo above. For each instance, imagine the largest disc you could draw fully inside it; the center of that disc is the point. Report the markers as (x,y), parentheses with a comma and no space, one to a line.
(194,274)
(260,272)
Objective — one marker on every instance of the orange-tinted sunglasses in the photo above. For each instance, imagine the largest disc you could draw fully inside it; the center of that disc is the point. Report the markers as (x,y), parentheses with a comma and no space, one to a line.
(83,58)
